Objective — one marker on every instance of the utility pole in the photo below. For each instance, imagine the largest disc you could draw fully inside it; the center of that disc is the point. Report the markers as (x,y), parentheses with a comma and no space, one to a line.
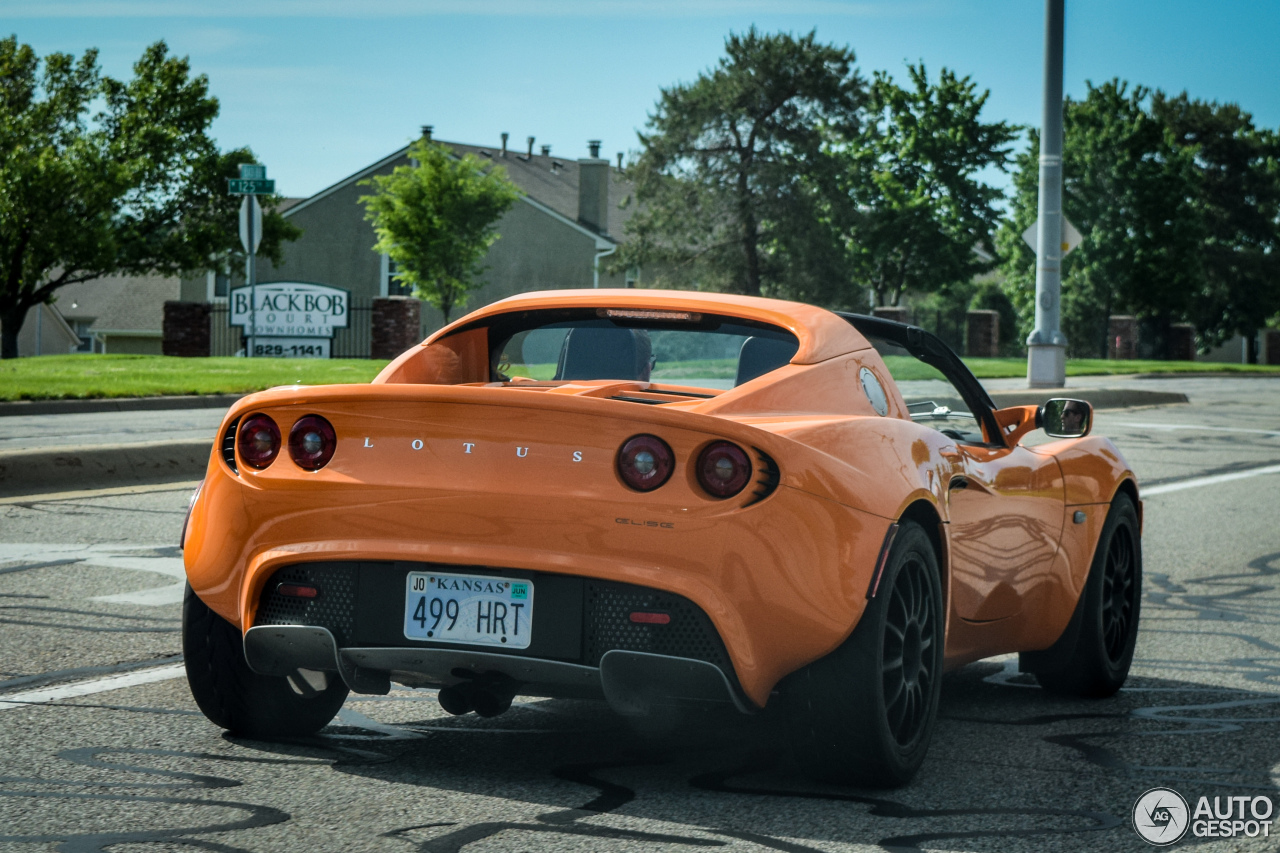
(1046,345)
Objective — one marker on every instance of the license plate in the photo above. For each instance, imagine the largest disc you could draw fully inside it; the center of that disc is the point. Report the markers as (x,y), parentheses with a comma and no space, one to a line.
(473,609)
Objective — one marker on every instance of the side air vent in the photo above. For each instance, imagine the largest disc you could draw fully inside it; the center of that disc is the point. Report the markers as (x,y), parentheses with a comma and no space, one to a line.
(767,478)
(229,446)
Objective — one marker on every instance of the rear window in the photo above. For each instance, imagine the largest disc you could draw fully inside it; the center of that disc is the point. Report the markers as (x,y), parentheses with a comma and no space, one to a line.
(665,347)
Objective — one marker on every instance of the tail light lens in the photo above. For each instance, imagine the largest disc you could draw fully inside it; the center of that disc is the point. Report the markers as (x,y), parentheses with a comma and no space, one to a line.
(312,442)
(258,441)
(645,462)
(723,469)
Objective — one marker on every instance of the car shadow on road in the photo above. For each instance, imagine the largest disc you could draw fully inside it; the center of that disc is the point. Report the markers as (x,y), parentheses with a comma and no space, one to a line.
(1010,767)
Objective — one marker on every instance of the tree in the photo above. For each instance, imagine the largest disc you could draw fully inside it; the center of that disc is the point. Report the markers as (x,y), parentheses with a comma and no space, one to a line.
(137,187)
(733,165)
(1237,203)
(1128,188)
(437,219)
(913,210)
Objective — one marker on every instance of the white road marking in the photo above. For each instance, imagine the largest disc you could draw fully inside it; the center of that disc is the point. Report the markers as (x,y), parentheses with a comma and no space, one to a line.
(88,688)
(1197,482)
(133,558)
(1172,427)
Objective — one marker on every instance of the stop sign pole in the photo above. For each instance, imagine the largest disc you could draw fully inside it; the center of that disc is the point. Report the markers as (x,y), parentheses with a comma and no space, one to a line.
(251,183)
(1046,345)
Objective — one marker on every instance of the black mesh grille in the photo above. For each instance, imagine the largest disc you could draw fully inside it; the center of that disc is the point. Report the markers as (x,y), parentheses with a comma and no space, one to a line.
(606,617)
(607,625)
(767,478)
(229,446)
(334,608)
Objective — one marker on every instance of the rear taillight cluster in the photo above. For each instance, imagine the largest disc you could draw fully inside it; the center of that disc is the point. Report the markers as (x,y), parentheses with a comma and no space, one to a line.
(722,468)
(312,441)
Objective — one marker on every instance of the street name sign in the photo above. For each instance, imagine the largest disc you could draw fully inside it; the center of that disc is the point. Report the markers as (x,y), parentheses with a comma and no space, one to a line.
(251,186)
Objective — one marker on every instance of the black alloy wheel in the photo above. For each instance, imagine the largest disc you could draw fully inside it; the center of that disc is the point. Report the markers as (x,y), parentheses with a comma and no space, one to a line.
(1119,585)
(864,714)
(1093,656)
(907,667)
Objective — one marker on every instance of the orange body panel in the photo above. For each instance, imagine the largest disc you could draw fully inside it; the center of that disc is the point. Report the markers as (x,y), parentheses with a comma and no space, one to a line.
(434,464)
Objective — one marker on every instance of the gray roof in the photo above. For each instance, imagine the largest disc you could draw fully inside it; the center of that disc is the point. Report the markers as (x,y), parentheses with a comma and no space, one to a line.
(550,180)
(119,303)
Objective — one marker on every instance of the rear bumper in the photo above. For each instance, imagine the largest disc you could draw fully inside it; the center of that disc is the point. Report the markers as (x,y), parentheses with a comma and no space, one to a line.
(631,682)
(783,581)
(583,643)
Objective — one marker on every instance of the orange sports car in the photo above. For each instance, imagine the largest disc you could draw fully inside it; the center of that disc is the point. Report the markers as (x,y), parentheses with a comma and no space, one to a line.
(659,498)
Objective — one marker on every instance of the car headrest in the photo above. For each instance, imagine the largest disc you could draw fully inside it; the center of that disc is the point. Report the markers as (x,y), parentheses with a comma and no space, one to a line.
(590,353)
(758,356)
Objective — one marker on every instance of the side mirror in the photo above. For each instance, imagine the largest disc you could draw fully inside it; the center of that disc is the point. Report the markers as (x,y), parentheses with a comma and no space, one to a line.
(1065,418)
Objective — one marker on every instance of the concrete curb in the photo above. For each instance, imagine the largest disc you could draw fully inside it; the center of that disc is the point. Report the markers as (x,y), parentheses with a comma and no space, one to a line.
(58,469)
(117,404)
(1099,398)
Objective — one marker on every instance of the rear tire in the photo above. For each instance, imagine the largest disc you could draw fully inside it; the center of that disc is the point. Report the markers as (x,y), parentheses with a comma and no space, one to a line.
(864,714)
(235,697)
(1112,599)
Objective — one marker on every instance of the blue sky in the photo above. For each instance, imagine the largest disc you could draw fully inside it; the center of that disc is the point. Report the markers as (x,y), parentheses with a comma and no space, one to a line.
(322,88)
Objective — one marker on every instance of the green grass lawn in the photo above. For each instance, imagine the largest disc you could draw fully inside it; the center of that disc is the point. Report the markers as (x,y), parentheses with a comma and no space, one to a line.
(68,376)
(82,376)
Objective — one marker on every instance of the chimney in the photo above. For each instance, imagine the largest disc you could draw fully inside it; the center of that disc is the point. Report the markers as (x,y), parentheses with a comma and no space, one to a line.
(426,132)
(546,151)
(593,190)
(619,161)
(529,156)
(504,143)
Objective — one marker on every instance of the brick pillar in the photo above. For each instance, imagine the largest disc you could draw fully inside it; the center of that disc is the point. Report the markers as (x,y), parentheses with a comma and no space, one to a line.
(1182,342)
(1122,337)
(395,325)
(892,312)
(982,334)
(186,329)
(1270,346)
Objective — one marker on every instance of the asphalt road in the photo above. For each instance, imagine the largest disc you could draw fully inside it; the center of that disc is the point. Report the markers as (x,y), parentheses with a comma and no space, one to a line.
(89,591)
(25,432)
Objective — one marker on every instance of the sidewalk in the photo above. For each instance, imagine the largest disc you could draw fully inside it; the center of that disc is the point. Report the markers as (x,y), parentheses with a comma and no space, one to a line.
(68,445)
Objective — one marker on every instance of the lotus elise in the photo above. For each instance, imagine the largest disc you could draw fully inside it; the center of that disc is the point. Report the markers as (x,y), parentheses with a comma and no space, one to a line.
(656,499)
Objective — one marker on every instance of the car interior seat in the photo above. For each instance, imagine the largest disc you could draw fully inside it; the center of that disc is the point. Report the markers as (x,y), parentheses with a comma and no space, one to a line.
(758,356)
(598,353)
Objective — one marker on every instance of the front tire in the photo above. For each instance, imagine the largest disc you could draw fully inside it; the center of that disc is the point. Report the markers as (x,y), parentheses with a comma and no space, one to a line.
(1099,664)
(864,714)
(235,697)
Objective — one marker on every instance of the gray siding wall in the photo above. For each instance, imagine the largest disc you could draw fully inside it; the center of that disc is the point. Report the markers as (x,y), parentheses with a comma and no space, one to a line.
(535,250)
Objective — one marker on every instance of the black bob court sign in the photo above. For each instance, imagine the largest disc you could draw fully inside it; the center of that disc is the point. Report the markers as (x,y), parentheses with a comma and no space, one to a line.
(290,318)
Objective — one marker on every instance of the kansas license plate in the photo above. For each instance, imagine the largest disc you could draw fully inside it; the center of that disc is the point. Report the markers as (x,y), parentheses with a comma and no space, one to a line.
(472,609)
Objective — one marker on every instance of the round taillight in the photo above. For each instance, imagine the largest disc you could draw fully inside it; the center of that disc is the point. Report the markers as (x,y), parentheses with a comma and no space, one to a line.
(258,441)
(645,462)
(312,442)
(723,469)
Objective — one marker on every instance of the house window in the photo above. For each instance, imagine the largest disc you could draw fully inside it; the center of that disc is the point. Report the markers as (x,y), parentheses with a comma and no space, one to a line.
(218,284)
(86,337)
(391,284)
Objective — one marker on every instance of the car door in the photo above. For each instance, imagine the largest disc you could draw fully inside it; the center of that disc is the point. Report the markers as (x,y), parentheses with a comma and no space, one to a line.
(1006,508)
(1005,504)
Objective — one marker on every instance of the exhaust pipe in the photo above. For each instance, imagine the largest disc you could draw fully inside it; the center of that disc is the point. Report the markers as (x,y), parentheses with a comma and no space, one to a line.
(488,694)
(456,698)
